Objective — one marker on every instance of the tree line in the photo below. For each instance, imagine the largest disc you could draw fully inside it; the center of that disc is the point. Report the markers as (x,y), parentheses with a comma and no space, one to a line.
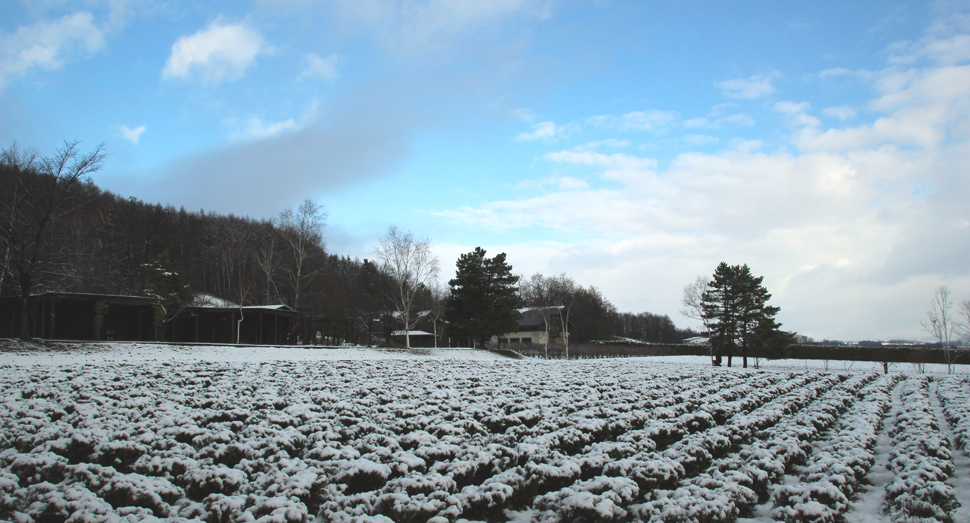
(62,233)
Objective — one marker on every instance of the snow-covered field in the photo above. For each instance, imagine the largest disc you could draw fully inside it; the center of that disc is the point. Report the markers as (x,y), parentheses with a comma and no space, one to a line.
(136,432)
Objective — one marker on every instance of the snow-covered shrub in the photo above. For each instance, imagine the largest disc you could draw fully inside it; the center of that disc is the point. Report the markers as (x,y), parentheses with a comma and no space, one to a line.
(921,460)
(954,394)
(649,472)
(120,454)
(134,490)
(550,475)
(48,502)
(489,500)
(593,501)
(276,510)
(32,468)
(362,475)
(405,440)
(418,508)
(218,479)
(688,504)
(845,457)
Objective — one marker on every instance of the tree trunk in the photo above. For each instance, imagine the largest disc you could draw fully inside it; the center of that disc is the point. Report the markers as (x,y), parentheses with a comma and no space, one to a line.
(239,325)
(25,285)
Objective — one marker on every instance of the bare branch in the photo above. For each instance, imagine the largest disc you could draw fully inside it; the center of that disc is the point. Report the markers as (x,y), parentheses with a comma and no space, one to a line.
(412,266)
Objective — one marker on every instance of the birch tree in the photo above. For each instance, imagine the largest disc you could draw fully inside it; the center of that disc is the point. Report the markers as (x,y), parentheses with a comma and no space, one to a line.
(693,307)
(562,292)
(302,231)
(436,310)
(551,297)
(535,293)
(413,267)
(941,324)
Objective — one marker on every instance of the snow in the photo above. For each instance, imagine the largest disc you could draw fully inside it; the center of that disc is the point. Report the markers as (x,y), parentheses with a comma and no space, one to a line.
(142,431)
(104,353)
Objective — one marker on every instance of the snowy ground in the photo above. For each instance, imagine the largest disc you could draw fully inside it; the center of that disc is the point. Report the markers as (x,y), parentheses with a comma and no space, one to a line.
(135,432)
(16,353)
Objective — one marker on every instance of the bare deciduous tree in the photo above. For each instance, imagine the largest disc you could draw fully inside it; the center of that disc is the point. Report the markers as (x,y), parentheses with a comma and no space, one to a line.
(562,292)
(436,309)
(412,266)
(38,193)
(693,298)
(302,231)
(552,298)
(940,323)
(535,294)
(267,258)
(693,307)
(963,326)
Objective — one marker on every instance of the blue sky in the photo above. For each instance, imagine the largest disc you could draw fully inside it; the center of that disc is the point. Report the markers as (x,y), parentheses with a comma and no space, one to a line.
(632,145)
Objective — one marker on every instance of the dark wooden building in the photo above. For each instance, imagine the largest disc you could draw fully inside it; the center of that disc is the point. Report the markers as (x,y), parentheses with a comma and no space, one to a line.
(102,317)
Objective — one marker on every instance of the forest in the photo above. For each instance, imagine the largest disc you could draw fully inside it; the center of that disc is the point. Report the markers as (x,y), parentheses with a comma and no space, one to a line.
(62,233)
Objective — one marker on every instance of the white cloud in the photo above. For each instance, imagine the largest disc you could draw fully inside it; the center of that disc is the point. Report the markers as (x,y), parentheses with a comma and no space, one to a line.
(547,131)
(324,68)
(835,72)
(408,26)
(778,212)
(563,183)
(796,113)
(851,225)
(720,117)
(746,146)
(609,142)
(132,135)
(523,113)
(699,139)
(750,88)
(48,45)
(720,122)
(216,53)
(618,160)
(923,107)
(257,129)
(842,112)
(649,120)
(619,167)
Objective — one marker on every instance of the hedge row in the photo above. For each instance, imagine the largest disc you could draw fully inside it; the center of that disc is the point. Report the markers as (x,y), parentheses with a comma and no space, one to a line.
(886,353)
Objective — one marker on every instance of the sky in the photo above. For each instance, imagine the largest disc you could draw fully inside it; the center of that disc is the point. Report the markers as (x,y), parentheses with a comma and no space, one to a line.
(632,145)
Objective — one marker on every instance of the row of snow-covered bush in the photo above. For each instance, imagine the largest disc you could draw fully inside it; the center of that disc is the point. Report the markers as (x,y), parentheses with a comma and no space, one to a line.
(398,440)
(921,460)
(732,485)
(644,474)
(954,395)
(606,464)
(843,459)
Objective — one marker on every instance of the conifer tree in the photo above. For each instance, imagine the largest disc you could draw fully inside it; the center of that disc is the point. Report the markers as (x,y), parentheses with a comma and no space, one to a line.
(736,312)
(484,297)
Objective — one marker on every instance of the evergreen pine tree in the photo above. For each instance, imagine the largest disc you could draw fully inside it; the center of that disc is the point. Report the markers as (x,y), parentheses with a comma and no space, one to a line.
(484,297)
(735,309)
